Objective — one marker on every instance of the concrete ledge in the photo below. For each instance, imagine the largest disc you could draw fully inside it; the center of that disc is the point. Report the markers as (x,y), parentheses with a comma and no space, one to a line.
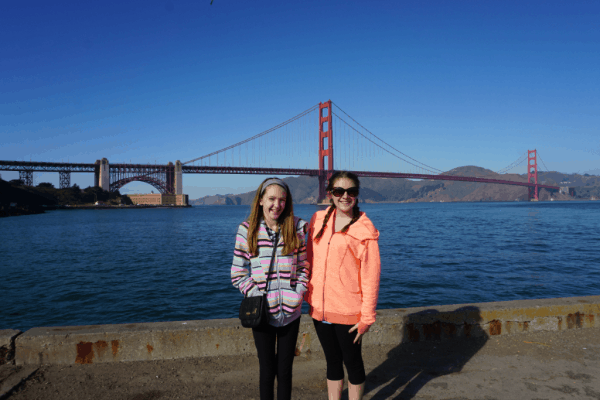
(7,345)
(183,339)
(491,319)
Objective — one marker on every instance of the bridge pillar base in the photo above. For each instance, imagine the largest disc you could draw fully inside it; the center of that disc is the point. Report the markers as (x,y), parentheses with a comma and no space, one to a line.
(323,180)
(104,178)
(178,178)
(322,188)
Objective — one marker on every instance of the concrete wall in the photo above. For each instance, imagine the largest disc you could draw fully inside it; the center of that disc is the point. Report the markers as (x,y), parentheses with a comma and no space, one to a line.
(182,339)
(159,199)
(150,198)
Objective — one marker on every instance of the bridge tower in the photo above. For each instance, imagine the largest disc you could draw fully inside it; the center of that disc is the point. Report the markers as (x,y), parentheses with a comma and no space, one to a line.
(532,174)
(178,178)
(104,175)
(325,147)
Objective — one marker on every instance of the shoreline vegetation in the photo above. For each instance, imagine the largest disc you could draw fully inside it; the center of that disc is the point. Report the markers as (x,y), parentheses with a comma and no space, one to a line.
(17,199)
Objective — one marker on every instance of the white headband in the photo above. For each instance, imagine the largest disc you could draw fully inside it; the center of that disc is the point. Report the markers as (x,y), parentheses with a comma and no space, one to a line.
(274,181)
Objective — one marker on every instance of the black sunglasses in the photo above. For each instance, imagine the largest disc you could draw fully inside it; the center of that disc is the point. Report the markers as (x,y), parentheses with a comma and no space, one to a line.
(339,192)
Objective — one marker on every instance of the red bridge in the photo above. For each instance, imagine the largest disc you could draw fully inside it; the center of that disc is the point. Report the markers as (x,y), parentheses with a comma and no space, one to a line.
(292,142)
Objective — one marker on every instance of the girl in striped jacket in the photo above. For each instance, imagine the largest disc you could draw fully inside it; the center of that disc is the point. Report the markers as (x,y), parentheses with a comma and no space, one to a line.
(272,228)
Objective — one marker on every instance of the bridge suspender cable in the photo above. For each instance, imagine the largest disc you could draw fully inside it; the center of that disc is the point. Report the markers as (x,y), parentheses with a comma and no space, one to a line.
(538,154)
(515,164)
(387,144)
(376,144)
(302,114)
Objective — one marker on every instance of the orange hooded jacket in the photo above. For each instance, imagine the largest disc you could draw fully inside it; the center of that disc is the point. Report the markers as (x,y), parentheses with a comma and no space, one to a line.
(345,269)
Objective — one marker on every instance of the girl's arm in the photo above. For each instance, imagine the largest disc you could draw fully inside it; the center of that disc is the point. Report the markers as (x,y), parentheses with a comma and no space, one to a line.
(370,272)
(303,267)
(240,268)
(309,246)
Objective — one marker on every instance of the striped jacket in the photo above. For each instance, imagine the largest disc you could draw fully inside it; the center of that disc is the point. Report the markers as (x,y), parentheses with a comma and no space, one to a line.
(289,275)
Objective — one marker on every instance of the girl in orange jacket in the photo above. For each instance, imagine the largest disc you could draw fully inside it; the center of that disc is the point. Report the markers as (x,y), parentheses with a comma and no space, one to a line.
(344,283)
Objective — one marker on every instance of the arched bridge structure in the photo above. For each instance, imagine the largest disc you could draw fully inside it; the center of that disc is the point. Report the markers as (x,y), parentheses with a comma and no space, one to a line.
(294,147)
(156,183)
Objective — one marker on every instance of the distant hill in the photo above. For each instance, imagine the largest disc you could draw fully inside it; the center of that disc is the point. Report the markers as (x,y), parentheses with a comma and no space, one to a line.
(391,190)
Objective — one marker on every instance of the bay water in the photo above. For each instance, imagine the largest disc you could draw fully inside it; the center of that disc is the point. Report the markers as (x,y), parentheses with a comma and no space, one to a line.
(83,267)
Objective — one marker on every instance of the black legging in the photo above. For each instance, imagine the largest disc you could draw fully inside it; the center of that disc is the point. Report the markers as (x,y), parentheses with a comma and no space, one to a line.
(279,363)
(338,347)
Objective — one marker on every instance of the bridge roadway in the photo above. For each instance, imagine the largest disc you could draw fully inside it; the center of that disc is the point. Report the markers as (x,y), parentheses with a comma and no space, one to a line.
(190,169)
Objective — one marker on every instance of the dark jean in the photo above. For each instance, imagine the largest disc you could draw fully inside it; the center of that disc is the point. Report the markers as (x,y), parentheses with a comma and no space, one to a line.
(339,348)
(276,363)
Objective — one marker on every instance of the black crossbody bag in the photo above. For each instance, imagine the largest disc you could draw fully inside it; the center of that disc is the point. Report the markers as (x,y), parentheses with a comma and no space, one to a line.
(254,310)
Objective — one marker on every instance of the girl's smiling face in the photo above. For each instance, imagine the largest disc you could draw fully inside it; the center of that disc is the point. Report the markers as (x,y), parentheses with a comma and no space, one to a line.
(345,203)
(273,204)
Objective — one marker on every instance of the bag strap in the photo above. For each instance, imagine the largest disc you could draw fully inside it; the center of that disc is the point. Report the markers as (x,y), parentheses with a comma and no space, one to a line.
(273,257)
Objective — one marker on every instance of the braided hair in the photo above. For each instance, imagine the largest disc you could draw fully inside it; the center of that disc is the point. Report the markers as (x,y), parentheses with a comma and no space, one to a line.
(355,209)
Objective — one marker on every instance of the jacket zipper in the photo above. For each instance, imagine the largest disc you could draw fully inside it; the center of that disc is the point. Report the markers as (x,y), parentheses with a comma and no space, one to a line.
(325,272)
(275,260)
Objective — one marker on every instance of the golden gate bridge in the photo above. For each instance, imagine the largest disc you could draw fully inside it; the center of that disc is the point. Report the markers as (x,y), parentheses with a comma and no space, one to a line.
(292,147)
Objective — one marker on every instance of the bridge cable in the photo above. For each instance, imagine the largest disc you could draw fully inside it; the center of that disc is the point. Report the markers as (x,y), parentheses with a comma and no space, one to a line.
(376,144)
(538,154)
(514,164)
(257,135)
(431,168)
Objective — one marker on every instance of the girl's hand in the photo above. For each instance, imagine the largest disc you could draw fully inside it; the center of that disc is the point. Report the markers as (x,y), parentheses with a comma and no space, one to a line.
(361,329)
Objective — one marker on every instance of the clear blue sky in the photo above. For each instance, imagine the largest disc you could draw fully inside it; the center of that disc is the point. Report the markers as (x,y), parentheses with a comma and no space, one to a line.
(450,83)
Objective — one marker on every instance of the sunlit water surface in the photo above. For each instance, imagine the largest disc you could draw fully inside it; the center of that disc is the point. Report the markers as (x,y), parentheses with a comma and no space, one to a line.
(76,267)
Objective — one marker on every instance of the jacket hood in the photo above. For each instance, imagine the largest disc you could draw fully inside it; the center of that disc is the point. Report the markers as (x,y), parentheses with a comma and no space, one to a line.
(362,229)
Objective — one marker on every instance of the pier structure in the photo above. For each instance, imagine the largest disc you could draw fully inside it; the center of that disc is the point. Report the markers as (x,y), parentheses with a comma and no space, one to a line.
(181,339)
(527,349)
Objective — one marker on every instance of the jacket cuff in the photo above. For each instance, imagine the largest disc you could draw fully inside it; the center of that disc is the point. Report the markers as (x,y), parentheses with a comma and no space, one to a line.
(300,289)
(254,292)
(362,327)
(366,319)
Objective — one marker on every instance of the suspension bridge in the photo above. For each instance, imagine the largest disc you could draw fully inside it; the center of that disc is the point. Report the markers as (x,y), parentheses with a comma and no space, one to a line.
(292,147)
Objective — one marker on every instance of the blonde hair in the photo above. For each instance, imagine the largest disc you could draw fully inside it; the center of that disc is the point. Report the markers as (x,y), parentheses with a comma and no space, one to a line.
(285,221)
